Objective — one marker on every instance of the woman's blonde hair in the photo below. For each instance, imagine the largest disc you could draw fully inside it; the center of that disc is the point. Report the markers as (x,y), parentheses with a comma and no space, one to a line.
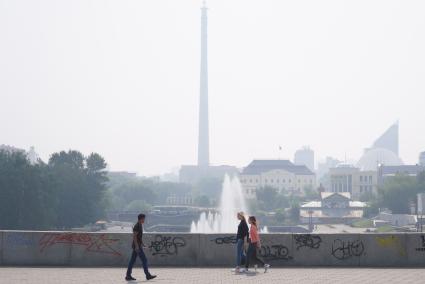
(241,214)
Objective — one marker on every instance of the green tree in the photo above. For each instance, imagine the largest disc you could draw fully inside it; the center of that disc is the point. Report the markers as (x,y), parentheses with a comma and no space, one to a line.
(122,190)
(67,192)
(294,213)
(134,190)
(97,179)
(267,195)
(372,209)
(280,216)
(367,196)
(397,192)
(310,193)
(138,205)
(79,184)
(25,198)
(210,187)
(269,198)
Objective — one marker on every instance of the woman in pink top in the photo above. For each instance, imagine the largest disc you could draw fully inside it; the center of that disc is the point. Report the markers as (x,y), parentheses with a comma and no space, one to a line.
(254,243)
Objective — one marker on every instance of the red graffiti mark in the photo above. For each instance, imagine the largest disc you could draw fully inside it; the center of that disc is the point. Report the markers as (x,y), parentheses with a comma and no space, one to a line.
(93,243)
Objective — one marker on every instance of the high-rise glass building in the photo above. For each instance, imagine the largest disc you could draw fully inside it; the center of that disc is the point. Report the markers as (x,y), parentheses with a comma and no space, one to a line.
(305,157)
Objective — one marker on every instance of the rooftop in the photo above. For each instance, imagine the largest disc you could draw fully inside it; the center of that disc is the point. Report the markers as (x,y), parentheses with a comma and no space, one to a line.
(318,204)
(261,166)
(404,169)
(324,195)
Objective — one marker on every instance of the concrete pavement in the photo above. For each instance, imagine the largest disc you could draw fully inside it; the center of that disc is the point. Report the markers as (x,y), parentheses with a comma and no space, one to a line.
(32,275)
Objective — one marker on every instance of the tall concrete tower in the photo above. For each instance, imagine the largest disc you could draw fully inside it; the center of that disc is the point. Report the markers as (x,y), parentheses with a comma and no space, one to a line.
(203,140)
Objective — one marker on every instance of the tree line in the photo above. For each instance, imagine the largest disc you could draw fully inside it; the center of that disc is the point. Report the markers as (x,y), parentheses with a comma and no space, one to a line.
(398,194)
(133,193)
(67,191)
(72,190)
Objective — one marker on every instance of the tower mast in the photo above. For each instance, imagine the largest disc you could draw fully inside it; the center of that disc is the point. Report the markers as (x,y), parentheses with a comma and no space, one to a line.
(203,139)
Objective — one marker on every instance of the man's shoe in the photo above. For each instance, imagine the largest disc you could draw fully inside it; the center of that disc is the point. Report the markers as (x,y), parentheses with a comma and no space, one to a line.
(129,278)
(149,277)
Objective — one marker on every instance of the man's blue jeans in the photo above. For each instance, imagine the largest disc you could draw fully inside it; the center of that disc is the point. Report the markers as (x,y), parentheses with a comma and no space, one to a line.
(133,260)
(239,252)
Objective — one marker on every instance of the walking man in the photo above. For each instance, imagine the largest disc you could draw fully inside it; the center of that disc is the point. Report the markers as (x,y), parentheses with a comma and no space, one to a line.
(137,246)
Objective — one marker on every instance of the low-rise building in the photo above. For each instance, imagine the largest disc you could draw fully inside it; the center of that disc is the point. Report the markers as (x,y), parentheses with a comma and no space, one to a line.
(422,159)
(398,220)
(175,199)
(280,174)
(346,178)
(332,208)
(385,172)
(194,174)
(323,167)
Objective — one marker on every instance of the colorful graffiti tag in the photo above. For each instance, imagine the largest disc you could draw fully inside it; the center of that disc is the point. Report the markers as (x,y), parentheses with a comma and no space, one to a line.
(92,243)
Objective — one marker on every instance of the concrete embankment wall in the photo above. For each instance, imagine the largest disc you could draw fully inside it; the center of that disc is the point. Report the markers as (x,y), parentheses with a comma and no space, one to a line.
(29,248)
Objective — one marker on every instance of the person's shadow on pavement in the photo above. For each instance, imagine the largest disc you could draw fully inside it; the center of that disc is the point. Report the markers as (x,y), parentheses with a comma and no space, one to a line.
(251,273)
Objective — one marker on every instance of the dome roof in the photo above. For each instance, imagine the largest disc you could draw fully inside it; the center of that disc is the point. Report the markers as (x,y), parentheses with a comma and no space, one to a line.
(375,156)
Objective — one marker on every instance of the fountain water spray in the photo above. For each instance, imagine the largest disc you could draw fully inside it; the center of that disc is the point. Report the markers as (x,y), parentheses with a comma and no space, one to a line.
(232,201)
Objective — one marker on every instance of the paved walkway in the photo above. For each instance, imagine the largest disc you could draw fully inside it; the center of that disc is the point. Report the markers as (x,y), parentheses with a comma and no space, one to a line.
(212,275)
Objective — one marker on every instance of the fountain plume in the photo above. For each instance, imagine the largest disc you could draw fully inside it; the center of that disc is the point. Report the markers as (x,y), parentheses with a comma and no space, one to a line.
(232,201)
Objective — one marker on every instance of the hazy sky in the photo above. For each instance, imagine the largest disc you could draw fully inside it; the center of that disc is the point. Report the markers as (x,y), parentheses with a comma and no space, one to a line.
(122,78)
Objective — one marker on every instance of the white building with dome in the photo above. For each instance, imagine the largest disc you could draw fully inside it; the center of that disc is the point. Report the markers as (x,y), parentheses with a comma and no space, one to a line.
(375,157)
(384,151)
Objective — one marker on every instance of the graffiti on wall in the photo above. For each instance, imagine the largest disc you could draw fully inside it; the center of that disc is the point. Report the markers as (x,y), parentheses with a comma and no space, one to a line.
(343,250)
(225,240)
(307,241)
(99,243)
(19,239)
(166,246)
(391,242)
(275,252)
(422,244)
